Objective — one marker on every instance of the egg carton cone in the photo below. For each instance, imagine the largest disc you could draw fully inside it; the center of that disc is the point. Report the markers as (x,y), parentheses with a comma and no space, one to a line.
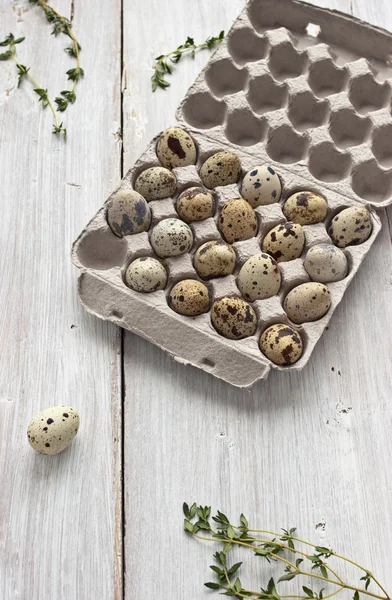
(303,90)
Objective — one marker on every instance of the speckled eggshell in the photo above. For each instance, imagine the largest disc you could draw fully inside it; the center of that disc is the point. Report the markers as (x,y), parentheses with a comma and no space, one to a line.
(326,263)
(146,274)
(156,183)
(350,227)
(285,242)
(195,204)
(238,221)
(281,344)
(171,237)
(305,208)
(260,186)
(233,318)
(307,302)
(176,148)
(214,259)
(53,429)
(222,168)
(128,213)
(189,298)
(259,277)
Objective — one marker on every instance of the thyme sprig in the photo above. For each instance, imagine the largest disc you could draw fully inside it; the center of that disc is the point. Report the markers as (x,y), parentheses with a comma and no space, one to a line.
(164,62)
(299,557)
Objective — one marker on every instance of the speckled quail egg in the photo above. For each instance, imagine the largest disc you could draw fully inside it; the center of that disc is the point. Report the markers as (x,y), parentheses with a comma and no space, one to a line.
(222,168)
(175,148)
(285,242)
(281,344)
(156,183)
(307,302)
(233,318)
(190,298)
(128,213)
(53,429)
(238,221)
(195,204)
(350,227)
(146,274)
(305,208)
(261,185)
(214,259)
(171,237)
(325,263)
(259,277)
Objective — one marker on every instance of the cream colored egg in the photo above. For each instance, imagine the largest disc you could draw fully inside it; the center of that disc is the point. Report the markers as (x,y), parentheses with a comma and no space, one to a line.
(261,185)
(285,242)
(171,237)
(53,429)
(237,221)
(325,263)
(350,227)
(259,277)
(233,318)
(281,344)
(222,168)
(176,148)
(128,213)
(305,208)
(307,302)
(214,259)
(156,183)
(195,204)
(190,298)
(146,274)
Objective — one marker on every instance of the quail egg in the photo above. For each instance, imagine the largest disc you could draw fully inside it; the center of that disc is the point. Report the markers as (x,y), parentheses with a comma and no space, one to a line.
(259,277)
(261,185)
(214,259)
(146,274)
(222,168)
(190,298)
(305,208)
(285,242)
(233,318)
(175,148)
(156,183)
(53,429)
(171,237)
(350,227)
(325,263)
(307,302)
(281,344)
(128,213)
(195,204)
(238,221)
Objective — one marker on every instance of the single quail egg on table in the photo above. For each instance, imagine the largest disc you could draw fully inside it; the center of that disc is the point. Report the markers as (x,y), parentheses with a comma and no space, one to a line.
(350,227)
(171,237)
(176,148)
(325,263)
(146,275)
(233,318)
(53,429)
(237,221)
(307,302)
(305,208)
(222,168)
(214,259)
(195,204)
(285,242)
(190,298)
(259,277)
(128,213)
(260,186)
(281,344)
(156,183)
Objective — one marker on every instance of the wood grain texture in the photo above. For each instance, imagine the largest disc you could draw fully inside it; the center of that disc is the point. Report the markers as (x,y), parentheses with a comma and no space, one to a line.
(60,517)
(310,450)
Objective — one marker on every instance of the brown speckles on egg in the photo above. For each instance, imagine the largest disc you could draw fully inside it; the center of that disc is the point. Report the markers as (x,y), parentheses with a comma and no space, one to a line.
(128,213)
(171,237)
(146,275)
(285,242)
(307,302)
(176,148)
(259,277)
(214,259)
(305,208)
(238,221)
(233,318)
(261,185)
(351,226)
(222,168)
(57,433)
(281,344)
(156,183)
(189,298)
(195,204)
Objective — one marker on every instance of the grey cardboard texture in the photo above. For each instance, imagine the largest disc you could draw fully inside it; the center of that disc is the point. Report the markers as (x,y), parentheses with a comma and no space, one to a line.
(303,89)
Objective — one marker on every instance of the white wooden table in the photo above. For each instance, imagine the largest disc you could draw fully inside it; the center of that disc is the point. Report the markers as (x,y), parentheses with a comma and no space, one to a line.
(103,520)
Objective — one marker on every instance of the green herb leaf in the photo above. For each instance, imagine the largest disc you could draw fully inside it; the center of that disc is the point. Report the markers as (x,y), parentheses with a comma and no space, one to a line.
(43,96)
(188,526)
(212,585)
(308,591)
(287,577)
(62,104)
(5,55)
(234,568)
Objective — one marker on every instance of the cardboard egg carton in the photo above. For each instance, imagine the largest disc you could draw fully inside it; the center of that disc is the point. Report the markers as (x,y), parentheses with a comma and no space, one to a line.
(318,114)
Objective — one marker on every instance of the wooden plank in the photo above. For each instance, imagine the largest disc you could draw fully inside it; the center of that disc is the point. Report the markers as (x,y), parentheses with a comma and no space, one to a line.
(60,525)
(310,450)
